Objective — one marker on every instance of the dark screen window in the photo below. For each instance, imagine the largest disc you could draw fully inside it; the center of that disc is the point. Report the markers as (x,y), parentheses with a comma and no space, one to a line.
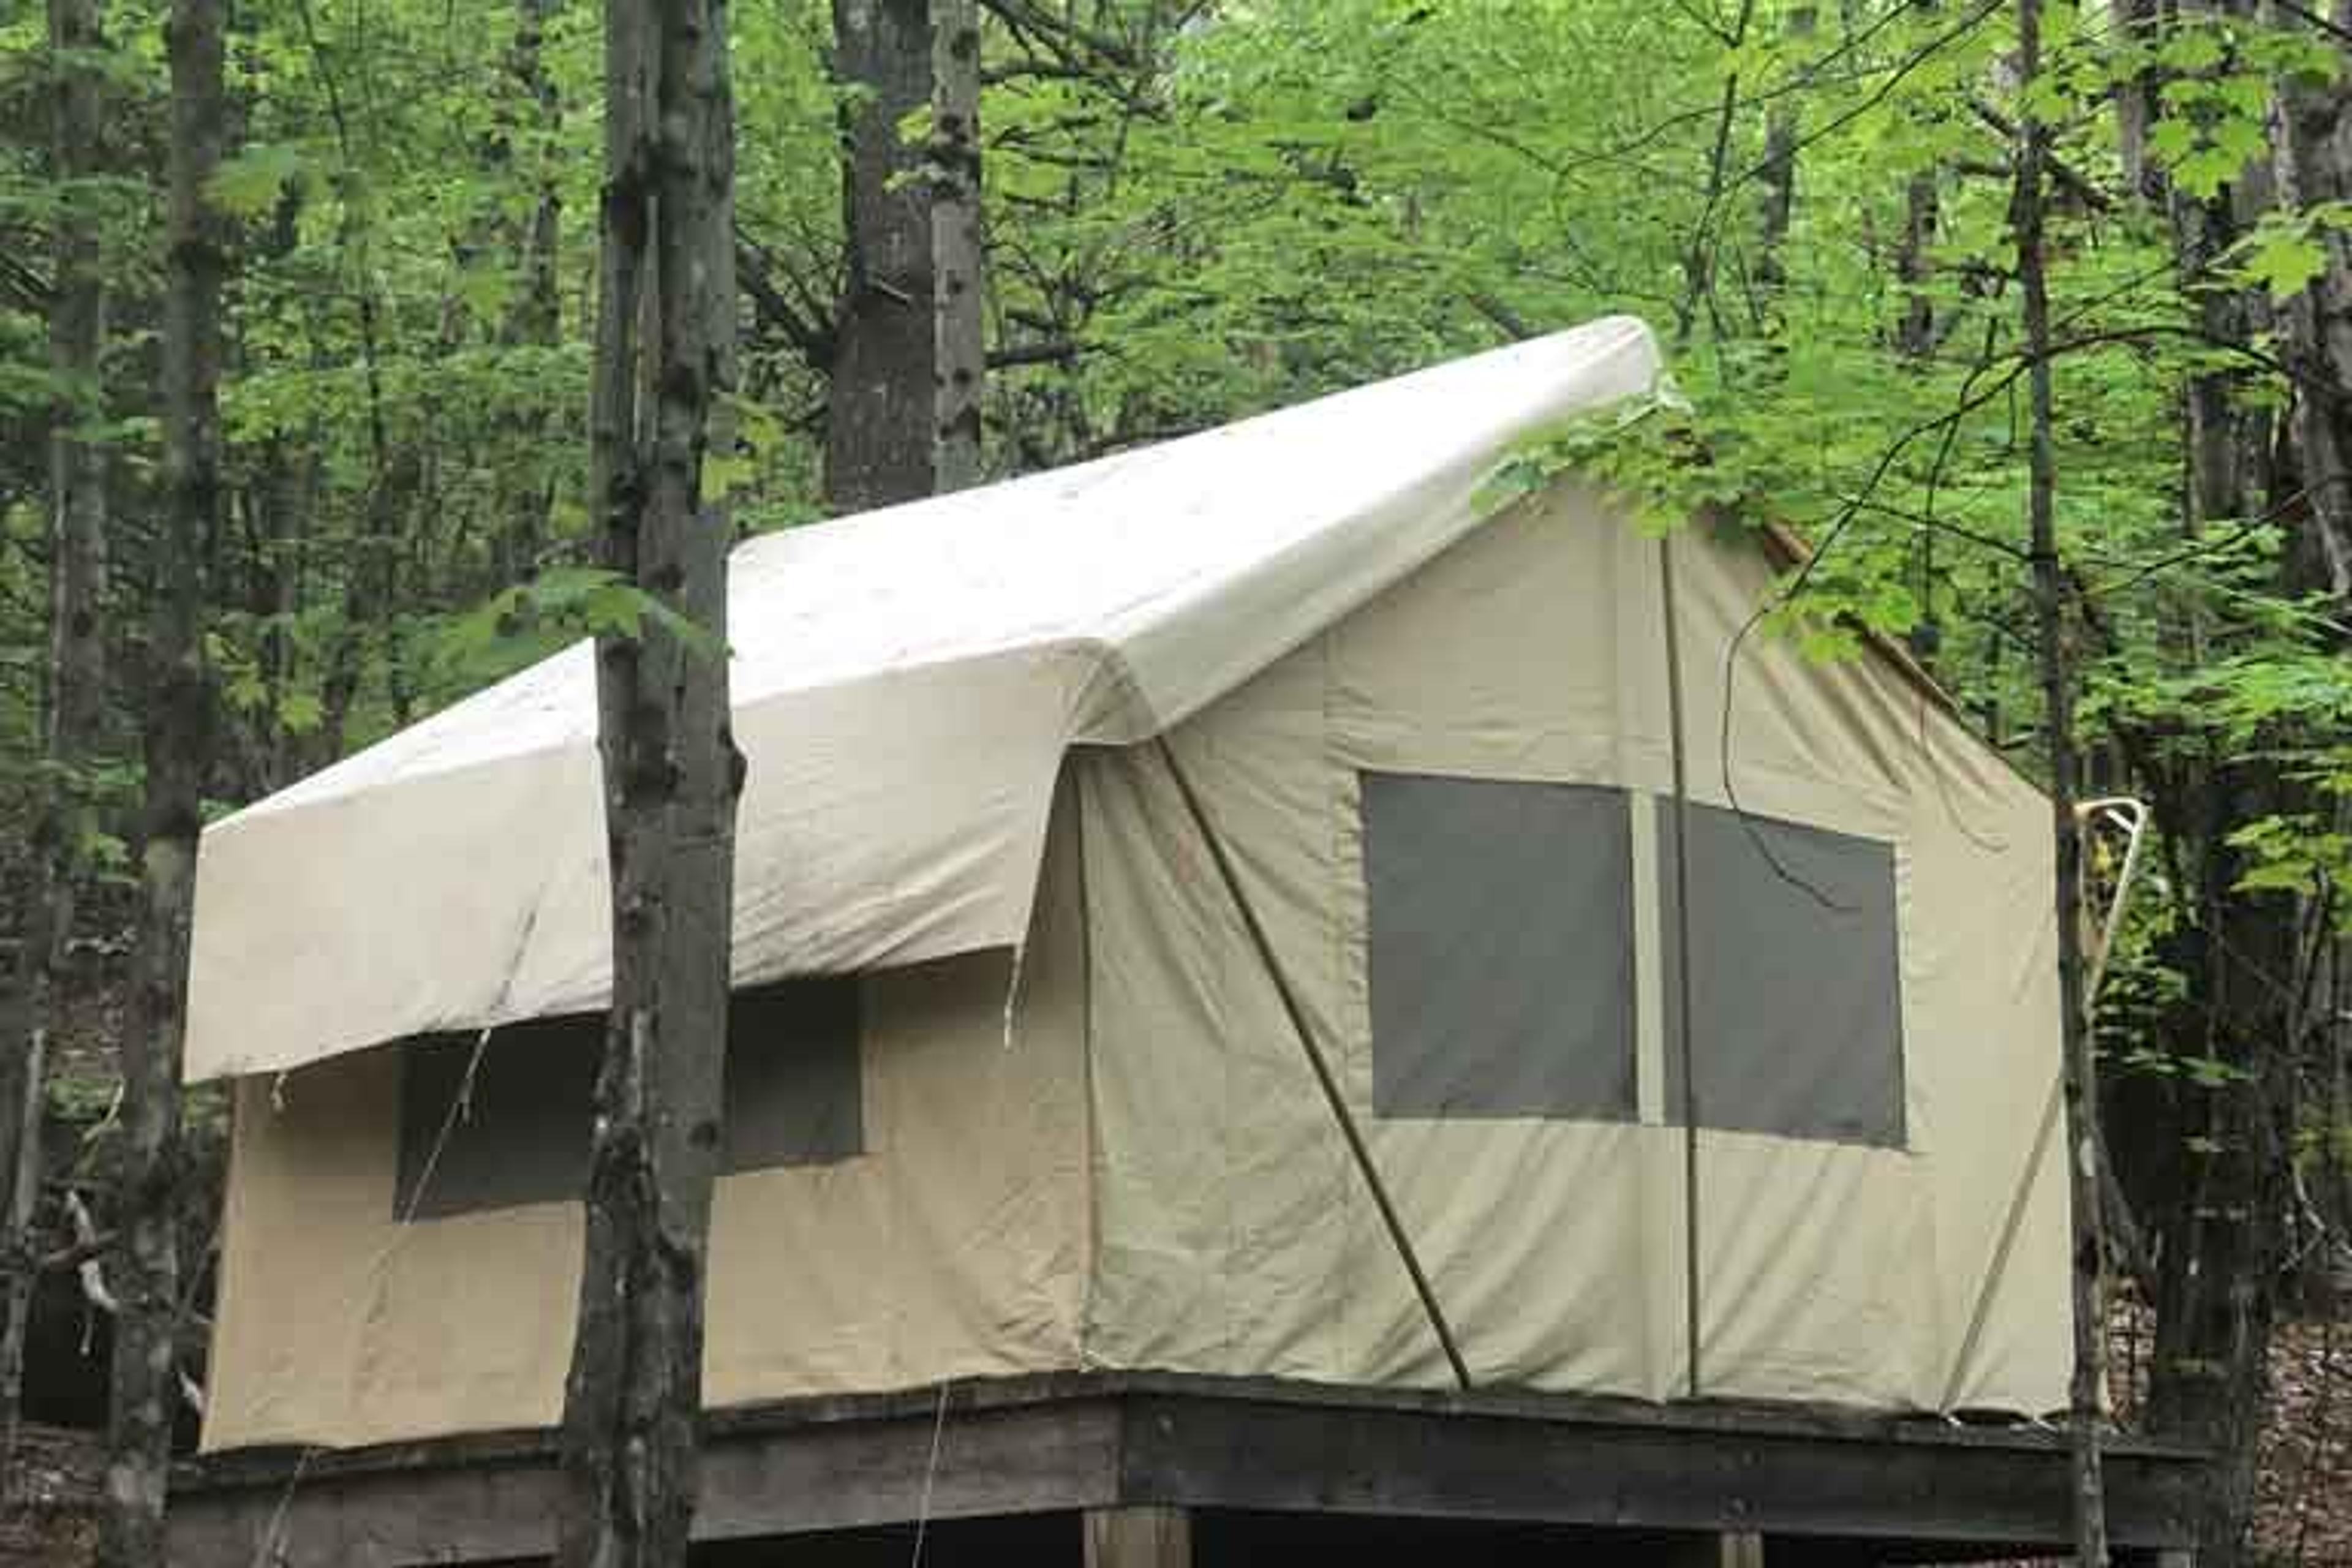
(1796,991)
(520,1135)
(1502,947)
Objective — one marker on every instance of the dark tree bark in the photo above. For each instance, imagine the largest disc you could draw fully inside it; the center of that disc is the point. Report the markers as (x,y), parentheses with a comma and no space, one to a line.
(1776,178)
(1698,260)
(1916,329)
(879,419)
(146,1267)
(2135,23)
(1916,332)
(2216,1156)
(959,349)
(2087,1396)
(907,348)
(2229,434)
(74,702)
(2311,146)
(664,365)
(536,317)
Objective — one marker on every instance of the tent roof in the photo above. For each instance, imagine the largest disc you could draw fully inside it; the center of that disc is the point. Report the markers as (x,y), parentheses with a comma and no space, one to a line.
(905,683)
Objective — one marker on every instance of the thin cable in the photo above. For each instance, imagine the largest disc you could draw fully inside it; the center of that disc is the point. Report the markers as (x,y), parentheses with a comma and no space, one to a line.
(1683,988)
(930,1469)
(267,1553)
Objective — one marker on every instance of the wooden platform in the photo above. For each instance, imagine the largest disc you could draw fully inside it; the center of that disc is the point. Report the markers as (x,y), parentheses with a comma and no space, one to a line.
(1160,1470)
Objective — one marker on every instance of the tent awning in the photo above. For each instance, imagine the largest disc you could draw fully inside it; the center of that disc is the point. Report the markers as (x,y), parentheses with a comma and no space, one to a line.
(904,685)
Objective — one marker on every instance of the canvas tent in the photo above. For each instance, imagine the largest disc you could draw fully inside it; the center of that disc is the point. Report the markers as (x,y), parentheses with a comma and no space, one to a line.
(1016,1077)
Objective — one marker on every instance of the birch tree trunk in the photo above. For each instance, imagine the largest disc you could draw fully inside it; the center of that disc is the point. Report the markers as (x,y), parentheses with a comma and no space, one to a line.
(956,256)
(2086,1395)
(664,365)
(74,702)
(145,1265)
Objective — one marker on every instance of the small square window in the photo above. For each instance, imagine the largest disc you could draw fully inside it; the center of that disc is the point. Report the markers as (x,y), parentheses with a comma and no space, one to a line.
(1502,947)
(794,1096)
(1795,979)
(521,1135)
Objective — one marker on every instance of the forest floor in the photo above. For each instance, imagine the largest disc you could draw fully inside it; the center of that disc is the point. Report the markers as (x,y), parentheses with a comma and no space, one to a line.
(2305,1515)
(49,1516)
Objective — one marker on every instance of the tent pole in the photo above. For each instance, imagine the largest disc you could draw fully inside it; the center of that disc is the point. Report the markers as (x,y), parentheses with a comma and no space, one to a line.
(1682,977)
(1357,1148)
(2133,817)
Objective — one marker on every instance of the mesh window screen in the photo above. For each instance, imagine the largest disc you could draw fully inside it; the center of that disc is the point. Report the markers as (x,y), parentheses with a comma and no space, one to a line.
(794,1096)
(523,1135)
(794,1093)
(1502,948)
(1796,989)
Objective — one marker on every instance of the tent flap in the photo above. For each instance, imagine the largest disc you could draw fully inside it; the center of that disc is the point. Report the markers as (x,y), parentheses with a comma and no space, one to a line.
(905,686)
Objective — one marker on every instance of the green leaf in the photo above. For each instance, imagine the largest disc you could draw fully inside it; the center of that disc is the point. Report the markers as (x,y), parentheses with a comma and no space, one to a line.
(2284,260)
(247,186)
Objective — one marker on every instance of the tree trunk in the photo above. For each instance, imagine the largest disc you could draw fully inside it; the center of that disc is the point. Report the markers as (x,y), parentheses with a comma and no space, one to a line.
(2311,144)
(76,695)
(145,1265)
(879,420)
(1699,251)
(632,1400)
(956,256)
(535,319)
(1777,177)
(1916,332)
(2229,436)
(2086,1393)
(2135,23)
(2223,1173)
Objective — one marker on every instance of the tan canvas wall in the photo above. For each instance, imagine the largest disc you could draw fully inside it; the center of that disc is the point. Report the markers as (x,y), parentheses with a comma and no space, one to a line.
(952,1247)
(1234,1235)
(1140,1173)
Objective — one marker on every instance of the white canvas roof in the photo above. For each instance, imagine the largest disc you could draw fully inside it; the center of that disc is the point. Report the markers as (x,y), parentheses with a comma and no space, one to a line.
(905,686)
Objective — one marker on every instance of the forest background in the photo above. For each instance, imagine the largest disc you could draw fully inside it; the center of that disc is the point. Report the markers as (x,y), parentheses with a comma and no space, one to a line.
(1189,211)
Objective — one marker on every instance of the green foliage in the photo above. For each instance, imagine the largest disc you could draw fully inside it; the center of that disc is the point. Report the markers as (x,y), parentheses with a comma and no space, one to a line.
(520,625)
(1197,211)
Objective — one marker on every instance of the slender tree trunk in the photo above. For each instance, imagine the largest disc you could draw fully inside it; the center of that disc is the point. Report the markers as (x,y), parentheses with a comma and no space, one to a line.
(76,696)
(1916,329)
(664,365)
(1916,332)
(1698,251)
(1777,178)
(2311,146)
(536,318)
(2229,436)
(2135,23)
(145,1265)
(879,420)
(2086,1394)
(959,354)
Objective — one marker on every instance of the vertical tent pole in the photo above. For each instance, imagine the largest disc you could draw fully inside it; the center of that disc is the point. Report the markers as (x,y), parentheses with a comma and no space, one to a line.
(1357,1148)
(1681,976)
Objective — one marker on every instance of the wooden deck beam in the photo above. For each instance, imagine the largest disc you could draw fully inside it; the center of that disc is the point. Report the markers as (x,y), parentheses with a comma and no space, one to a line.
(1148,1447)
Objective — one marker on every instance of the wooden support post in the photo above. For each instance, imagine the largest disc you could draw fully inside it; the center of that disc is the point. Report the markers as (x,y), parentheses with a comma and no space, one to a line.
(1139,1538)
(1732,1549)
